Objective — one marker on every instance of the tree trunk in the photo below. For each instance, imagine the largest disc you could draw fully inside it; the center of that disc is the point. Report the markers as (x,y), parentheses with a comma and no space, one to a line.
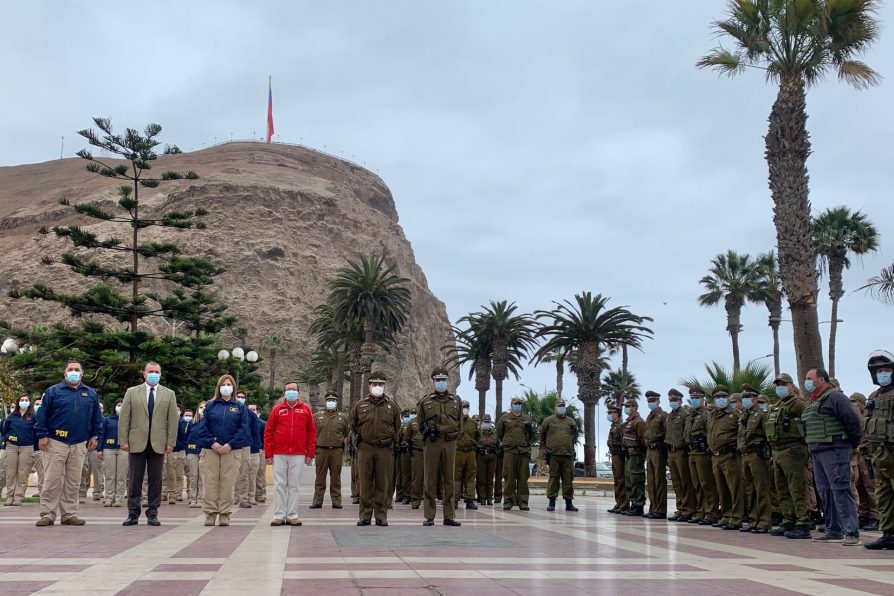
(590,437)
(787,150)
(272,368)
(498,383)
(560,375)
(775,326)
(624,359)
(339,385)
(733,325)
(588,373)
(836,291)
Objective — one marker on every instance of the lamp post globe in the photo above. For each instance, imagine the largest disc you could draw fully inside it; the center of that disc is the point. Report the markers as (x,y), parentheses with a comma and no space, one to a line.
(252,356)
(238,353)
(223,355)
(9,346)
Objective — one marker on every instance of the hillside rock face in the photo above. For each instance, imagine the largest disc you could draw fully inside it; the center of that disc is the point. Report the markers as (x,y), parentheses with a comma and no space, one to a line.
(282,220)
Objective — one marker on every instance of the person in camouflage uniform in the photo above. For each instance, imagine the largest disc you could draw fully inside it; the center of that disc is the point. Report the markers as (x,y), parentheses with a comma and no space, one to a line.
(635,466)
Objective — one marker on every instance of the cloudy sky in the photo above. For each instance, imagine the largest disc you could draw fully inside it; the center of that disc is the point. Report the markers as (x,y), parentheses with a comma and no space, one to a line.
(534,149)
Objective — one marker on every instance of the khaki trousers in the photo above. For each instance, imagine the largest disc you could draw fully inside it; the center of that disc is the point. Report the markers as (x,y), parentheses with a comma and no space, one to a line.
(487,468)
(728,474)
(63,464)
(18,468)
(261,478)
(440,462)
(174,472)
(759,475)
(37,467)
(705,488)
(2,470)
(678,462)
(619,462)
(114,471)
(466,469)
(328,462)
(656,481)
(417,470)
(516,472)
(242,479)
(375,467)
(193,478)
(218,480)
(92,471)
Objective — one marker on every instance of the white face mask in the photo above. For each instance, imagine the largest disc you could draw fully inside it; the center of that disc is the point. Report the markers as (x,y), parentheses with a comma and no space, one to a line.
(24,404)
(331,405)
(377,391)
(465,411)
(118,409)
(226,390)
(188,418)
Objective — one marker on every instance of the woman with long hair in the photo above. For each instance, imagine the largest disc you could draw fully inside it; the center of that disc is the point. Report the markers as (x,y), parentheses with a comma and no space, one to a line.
(222,432)
(21,443)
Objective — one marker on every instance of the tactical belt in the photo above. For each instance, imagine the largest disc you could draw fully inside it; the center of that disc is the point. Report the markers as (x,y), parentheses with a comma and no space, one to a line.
(731,448)
(487,450)
(655,445)
(465,449)
(324,447)
(673,449)
(388,443)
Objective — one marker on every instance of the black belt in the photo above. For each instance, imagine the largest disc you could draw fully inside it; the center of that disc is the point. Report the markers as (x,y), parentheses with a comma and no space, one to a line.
(465,449)
(673,449)
(322,447)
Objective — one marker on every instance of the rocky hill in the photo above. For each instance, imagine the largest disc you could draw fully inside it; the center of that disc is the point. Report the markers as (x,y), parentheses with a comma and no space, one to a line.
(283,219)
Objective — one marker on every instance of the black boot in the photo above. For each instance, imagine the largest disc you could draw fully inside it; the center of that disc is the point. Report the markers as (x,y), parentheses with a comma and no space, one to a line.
(799,533)
(886,542)
(871,525)
(781,530)
(635,511)
(471,505)
(569,506)
(552,504)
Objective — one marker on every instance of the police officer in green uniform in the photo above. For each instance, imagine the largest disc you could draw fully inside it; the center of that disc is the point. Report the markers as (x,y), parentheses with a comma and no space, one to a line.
(784,430)
(486,464)
(375,420)
(440,414)
(558,435)
(656,457)
(695,433)
(879,431)
(723,430)
(635,465)
(618,457)
(466,466)
(417,461)
(515,432)
(755,451)
(404,485)
(678,458)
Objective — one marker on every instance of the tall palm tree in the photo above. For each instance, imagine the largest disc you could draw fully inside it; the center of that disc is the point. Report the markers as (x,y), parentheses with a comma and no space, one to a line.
(771,293)
(735,279)
(590,328)
(511,339)
(618,385)
(559,359)
(837,233)
(473,347)
(272,344)
(881,286)
(334,333)
(796,43)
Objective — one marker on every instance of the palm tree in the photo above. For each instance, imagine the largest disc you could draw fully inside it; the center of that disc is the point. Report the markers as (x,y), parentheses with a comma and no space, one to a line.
(334,333)
(511,339)
(771,293)
(539,408)
(733,278)
(589,328)
(881,286)
(838,232)
(619,385)
(753,374)
(473,347)
(272,344)
(559,359)
(796,43)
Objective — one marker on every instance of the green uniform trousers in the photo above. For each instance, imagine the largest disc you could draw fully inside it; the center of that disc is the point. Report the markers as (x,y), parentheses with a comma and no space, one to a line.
(440,461)
(417,477)
(561,468)
(515,472)
(498,478)
(464,475)
(487,468)
(635,478)
(678,462)
(656,468)
(355,478)
(405,488)
(618,464)
(789,465)
(728,475)
(375,471)
(759,472)
(328,462)
(746,491)
(705,488)
(883,461)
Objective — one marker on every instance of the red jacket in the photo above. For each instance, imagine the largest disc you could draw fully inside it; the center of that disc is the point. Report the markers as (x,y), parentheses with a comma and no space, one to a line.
(291,430)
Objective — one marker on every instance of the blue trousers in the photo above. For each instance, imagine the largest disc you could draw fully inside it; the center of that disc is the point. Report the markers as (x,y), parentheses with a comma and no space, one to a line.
(832,473)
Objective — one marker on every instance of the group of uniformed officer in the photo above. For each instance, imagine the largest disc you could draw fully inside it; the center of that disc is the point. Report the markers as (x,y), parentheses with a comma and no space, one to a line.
(741,462)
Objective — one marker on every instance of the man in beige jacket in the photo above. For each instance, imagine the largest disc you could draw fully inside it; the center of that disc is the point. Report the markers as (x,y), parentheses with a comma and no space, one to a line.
(147,429)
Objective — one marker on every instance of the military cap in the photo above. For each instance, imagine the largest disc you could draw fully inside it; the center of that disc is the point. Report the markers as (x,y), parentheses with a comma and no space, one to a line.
(631,401)
(761,397)
(439,371)
(748,390)
(784,378)
(560,402)
(695,391)
(517,400)
(475,417)
(674,395)
(720,390)
(466,404)
(612,408)
(331,393)
(652,395)
(858,397)
(486,418)
(377,377)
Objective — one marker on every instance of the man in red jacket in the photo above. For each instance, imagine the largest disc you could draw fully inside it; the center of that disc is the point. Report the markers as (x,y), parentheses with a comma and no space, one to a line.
(289,441)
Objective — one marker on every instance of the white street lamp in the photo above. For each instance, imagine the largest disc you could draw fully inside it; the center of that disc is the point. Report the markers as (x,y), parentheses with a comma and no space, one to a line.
(9,346)
(252,356)
(223,355)
(238,353)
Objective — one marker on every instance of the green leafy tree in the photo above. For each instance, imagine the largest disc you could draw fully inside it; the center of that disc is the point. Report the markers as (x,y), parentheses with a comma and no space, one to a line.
(753,374)
(589,328)
(272,345)
(796,43)
(838,233)
(734,279)
(618,385)
(559,359)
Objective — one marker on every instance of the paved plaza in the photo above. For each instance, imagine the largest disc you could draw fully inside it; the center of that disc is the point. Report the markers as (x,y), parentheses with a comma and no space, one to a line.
(493,553)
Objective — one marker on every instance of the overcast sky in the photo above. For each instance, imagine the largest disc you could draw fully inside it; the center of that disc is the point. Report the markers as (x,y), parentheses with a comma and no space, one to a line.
(534,149)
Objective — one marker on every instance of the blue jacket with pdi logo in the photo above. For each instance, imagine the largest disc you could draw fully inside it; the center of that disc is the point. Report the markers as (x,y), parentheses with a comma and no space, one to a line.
(69,414)
(193,447)
(224,422)
(108,436)
(258,441)
(183,428)
(19,431)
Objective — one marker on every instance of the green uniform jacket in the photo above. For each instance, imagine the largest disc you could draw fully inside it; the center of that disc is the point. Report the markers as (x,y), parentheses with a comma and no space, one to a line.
(751,429)
(332,428)
(695,431)
(515,433)
(655,428)
(468,435)
(487,439)
(723,430)
(443,410)
(616,438)
(376,420)
(558,434)
(674,427)
(634,433)
(413,434)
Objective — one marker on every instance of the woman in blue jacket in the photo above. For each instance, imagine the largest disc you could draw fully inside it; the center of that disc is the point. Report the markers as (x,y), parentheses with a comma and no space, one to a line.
(114,460)
(21,443)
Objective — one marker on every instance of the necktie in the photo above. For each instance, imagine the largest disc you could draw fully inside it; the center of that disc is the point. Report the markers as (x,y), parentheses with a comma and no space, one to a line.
(151,403)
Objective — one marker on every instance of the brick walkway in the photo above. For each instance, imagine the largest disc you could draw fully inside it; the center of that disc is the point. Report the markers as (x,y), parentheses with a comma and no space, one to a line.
(493,553)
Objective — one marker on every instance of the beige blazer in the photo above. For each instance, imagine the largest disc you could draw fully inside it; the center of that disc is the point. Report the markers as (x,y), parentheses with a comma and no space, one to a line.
(133,422)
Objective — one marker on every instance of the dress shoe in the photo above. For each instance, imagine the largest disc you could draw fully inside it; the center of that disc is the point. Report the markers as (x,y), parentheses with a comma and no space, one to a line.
(634,512)
(717,524)
(278,522)
(798,533)
(294,521)
(613,510)
(406,501)
(414,506)
(428,522)
(524,508)
(705,522)
(507,506)
(315,506)
(382,523)
(44,521)
(871,525)
(745,528)
(471,505)
(693,520)
(131,520)
(355,500)
(152,520)
(657,516)
(336,506)
(194,505)
(244,505)
(74,520)
(729,527)
(490,502)
(364,522)
(886,542)
(759,530)
(683,518)
(451,522)
(674,517)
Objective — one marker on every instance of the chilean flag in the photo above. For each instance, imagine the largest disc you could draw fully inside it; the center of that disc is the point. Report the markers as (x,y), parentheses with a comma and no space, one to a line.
(270,109)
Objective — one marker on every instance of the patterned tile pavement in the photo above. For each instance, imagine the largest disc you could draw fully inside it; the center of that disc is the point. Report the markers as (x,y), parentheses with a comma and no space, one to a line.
(493,553)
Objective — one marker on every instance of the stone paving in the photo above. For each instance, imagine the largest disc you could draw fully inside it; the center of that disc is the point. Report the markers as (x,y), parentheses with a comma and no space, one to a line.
(493,553)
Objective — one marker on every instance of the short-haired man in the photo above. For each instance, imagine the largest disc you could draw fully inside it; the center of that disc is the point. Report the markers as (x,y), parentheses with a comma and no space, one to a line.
(68,423)
(289,440)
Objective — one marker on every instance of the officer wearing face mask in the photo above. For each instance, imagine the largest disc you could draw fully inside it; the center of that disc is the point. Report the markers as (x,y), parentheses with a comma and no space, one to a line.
(678,458)
(440,414)
(634,442)
(404,467)
(413,436)
(695,433)
(880,434)
(656,457)
(862,473)
(332,431)
(486,463)
(466,467)
(755,451)
(558,435)
(723,431)
(618,457)
(516,433)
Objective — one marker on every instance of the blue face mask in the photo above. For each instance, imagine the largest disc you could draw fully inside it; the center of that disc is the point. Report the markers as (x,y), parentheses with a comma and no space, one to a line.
(487,426)
(675,405)
(763,406)
(441,386)
(73,377)
(721,402)
(883,377)
(291,395)
(781,391)
(153,378)
(695,402)
(406,419)
(330,405)
(627,411)
(561,410)
(653,405)
(747,402)
(809,386)
(609,417)
(516,407)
